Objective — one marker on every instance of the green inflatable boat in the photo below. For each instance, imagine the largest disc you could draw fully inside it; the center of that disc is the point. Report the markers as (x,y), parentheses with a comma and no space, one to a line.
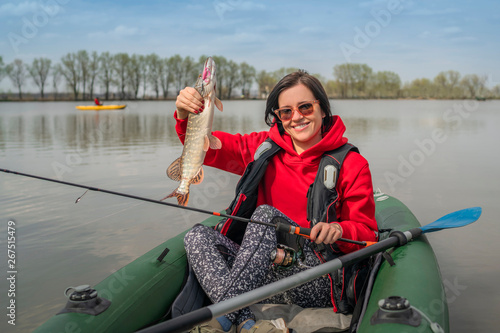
(404,294)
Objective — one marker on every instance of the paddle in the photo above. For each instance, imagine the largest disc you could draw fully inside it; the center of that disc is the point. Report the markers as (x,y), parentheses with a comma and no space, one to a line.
(185,322)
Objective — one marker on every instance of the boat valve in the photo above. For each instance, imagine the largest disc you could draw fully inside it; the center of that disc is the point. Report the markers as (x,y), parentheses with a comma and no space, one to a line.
(84,299)
(396,309)
(81,293)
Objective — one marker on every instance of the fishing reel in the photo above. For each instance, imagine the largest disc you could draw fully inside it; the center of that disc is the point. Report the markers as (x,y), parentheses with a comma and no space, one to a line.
(284,256)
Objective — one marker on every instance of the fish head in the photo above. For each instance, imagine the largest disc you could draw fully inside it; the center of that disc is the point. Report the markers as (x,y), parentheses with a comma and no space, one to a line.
(207,80)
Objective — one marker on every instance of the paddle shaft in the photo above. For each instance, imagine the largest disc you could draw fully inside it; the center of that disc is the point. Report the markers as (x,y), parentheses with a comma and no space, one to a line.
(304,232)
(197,317)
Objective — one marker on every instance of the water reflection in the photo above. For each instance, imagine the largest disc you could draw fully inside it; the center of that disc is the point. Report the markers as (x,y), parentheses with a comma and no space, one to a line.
(84,131)
(366,126)
(152,125)
(128,151)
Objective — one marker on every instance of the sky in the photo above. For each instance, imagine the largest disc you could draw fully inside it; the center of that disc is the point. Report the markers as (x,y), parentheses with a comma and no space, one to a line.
(414,38)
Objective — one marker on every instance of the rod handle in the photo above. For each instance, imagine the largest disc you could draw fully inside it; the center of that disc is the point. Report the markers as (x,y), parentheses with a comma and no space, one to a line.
(306,233)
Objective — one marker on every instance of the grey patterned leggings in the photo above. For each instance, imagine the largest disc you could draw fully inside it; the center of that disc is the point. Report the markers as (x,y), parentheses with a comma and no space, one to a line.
(226,269)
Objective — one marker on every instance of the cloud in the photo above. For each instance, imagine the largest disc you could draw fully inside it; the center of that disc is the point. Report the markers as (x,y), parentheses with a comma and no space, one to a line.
(310,30)
(122,30)
(19,9)
(119,31)
(372,3)
(251,5)
(425,34)
(434,12)
(223,7)
(464,39)
(452,30)
(241,38)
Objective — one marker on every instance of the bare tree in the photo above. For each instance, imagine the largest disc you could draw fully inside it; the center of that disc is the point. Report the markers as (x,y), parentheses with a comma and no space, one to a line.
(247,76)
(221,63)
(353,78)
(39,72)
(384,84)
(83,60)
(283,71)
(134,75)
(106,65)
(154,65)
(16,71)
(266,82)
(2,69)
(71,72)
(56,76)
(495,91)
(190,71)
(232,77)
(93,72)
(423,88)
(344,78)
(175,64)
(473,84)
(447,84)
(168,76)
(121,63)
(143,66)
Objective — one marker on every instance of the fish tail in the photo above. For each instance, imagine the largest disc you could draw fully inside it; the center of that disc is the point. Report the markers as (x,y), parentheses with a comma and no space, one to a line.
(182,198)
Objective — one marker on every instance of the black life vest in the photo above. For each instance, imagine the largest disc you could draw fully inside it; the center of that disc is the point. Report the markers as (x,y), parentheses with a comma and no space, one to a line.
(321,196)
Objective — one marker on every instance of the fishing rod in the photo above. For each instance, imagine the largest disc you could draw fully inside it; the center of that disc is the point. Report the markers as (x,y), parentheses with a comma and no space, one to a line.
(280,227)
(185,322)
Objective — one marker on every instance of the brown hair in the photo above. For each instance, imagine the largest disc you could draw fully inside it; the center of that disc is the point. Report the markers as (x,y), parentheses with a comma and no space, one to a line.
(291,80)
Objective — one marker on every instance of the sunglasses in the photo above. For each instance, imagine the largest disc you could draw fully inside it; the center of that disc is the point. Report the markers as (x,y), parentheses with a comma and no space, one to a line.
(304,108)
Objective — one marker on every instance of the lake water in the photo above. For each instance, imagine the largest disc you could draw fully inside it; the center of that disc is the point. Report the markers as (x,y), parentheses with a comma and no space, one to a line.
(435,156)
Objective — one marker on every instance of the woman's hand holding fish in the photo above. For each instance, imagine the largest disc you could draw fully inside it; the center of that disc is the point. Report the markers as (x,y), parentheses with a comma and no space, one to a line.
(188,100)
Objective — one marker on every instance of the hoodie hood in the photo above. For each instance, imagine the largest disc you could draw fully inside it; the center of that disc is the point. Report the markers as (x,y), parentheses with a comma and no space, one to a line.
(332,139)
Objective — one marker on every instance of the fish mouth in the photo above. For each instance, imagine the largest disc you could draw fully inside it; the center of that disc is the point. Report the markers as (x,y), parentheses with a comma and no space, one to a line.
(208,70)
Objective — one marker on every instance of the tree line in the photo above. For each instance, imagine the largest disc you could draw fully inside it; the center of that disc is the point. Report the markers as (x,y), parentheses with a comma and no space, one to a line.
(122,76)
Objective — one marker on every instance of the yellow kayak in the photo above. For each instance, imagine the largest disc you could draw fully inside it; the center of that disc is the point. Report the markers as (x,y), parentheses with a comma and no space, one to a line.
(100,107)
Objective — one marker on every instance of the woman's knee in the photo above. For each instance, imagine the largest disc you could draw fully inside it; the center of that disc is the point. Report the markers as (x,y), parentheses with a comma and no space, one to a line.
(195,235)
(264,213)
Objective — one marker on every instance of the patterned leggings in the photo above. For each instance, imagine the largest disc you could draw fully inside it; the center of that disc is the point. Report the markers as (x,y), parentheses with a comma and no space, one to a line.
(226,269)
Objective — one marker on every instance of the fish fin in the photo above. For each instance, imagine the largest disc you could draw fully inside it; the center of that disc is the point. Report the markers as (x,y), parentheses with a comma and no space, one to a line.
(198,178)
(214,142)
(174,171)
(206,144)
(182,199)
(218,103)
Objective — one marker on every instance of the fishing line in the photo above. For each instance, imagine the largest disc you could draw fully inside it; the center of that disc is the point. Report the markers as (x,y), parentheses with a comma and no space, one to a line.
(81,196)
(278,227)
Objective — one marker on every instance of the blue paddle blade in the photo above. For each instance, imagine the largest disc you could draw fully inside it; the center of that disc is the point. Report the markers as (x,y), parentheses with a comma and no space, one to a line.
(456,219)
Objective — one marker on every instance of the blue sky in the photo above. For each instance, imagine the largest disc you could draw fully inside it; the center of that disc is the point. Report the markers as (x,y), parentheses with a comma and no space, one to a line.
(414,38)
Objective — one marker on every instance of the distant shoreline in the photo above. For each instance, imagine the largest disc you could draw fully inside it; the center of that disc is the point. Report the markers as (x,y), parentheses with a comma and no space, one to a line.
(46,100)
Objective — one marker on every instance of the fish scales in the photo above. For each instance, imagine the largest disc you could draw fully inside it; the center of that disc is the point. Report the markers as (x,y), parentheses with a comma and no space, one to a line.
(188,168)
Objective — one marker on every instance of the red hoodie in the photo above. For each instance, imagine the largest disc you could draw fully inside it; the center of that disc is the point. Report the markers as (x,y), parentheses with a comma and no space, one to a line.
(289,175)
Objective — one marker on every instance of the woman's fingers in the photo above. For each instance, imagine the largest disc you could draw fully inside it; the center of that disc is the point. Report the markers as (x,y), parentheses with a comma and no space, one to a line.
(326,233)
(189,100)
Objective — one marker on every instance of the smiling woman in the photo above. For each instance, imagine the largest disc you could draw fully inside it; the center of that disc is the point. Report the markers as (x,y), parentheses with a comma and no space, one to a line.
(283,180)
(303,127)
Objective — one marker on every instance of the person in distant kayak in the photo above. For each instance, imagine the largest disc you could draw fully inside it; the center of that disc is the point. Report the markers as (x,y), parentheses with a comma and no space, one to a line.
(292,189)
(97,101)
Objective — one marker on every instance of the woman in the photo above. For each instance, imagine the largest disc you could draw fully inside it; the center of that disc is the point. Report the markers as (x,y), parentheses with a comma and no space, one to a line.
(303,130)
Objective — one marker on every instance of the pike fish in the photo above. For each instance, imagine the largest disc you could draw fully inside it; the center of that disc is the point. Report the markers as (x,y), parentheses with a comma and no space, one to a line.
(188,168)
